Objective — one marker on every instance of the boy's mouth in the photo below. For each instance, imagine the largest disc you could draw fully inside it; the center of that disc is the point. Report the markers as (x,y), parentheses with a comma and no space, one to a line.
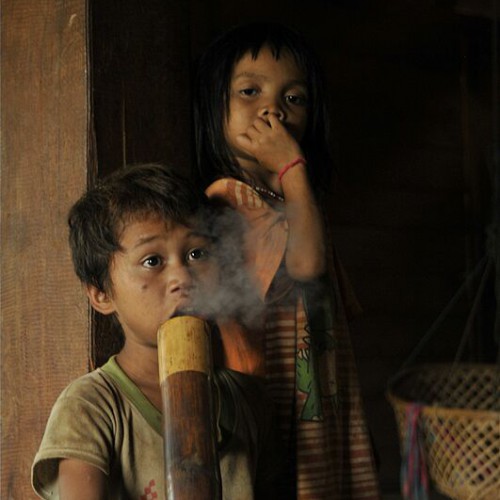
(183,311)
(184,307)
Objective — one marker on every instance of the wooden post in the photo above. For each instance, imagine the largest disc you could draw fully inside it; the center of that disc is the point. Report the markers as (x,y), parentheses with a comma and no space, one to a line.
(44,315)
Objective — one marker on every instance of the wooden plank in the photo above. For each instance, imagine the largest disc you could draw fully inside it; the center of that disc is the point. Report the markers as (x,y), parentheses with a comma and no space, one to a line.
(44,123)
(141,83)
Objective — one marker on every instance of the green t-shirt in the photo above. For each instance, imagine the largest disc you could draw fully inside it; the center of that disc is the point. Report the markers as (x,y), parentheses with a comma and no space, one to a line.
(103,419)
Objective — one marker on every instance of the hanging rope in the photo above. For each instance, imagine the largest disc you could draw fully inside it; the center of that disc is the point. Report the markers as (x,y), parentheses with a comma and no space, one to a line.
(470,278)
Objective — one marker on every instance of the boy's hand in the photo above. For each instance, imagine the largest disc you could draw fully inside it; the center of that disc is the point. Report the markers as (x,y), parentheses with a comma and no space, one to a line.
(270,143)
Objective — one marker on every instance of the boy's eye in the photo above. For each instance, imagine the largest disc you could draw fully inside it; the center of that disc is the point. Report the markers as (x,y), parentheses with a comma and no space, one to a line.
(295,99)
(197,254)
(153,261)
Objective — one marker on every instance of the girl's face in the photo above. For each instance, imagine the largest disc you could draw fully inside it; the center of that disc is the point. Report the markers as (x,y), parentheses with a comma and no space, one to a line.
(264,86)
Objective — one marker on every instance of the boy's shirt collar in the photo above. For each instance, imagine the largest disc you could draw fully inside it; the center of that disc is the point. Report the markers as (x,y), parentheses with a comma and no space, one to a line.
(133,394)
(224,413)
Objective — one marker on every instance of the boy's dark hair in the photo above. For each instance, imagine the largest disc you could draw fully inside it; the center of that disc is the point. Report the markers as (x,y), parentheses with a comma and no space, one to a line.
(211,96)
(97,219)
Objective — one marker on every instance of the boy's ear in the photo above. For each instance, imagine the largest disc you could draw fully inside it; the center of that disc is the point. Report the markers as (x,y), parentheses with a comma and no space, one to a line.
(99,300)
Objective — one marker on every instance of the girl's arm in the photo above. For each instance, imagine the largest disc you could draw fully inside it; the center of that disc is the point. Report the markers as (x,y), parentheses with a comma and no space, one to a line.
(273,147)
(81,481)
(305,252)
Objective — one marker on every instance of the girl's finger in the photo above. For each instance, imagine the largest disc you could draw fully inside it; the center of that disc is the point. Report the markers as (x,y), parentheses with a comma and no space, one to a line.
(252,132)
(274,121)
(244,141)
(261,124)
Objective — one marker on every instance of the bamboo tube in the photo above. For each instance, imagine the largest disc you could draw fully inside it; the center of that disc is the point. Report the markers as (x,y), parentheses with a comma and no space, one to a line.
(185,363)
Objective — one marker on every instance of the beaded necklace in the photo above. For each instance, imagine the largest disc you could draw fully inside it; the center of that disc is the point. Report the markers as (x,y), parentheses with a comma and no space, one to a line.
(270,194)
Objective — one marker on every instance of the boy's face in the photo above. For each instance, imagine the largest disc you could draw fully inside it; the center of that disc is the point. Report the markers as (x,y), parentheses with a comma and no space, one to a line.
(164,268)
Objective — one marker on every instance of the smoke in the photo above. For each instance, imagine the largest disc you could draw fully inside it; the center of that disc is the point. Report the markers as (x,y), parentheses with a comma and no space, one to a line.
(236,295)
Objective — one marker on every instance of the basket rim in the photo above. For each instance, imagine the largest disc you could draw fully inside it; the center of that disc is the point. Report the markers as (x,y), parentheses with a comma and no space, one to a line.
(444,411)
(435,409)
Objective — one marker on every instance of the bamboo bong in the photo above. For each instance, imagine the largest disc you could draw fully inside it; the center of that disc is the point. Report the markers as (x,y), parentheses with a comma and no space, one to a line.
(189,430)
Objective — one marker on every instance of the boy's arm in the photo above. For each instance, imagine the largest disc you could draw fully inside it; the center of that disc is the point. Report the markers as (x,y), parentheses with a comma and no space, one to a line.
(82,427)
(81,481)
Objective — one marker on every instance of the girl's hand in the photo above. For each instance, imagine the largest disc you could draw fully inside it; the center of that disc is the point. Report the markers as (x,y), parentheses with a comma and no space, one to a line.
(270,143)
(273,146)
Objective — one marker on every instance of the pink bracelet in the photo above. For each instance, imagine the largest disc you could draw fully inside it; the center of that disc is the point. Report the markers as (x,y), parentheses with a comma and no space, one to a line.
(288,166)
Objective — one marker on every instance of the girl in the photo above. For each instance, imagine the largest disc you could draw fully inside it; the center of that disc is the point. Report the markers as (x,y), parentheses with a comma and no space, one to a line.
(261,138)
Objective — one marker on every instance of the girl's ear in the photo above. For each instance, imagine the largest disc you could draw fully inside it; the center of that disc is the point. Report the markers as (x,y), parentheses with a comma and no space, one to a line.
(99,300)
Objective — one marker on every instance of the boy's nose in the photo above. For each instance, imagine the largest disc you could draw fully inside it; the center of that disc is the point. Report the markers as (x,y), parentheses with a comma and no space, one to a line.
(179,279)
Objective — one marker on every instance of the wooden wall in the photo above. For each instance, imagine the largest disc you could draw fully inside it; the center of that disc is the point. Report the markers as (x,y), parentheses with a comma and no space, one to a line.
(44,125)
(140,84)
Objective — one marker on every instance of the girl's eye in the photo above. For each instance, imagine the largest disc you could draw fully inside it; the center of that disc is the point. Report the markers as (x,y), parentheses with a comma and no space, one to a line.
(153,261)
(248,92)
(196,254)
(295,99)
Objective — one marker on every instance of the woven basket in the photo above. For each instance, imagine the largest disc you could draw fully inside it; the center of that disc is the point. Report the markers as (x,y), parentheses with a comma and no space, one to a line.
(460,424)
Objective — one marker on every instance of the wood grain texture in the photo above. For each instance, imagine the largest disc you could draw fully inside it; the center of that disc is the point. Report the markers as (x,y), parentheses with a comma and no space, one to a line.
(141,82)
(44,122)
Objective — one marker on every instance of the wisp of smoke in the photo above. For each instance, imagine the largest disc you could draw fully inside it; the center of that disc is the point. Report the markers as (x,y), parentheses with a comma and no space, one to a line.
(236,295)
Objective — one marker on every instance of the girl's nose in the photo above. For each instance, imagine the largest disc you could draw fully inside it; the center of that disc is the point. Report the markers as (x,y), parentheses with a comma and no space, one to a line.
(272,109)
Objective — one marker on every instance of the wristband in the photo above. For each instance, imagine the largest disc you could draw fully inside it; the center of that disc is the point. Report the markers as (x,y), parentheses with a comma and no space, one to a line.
(288,166)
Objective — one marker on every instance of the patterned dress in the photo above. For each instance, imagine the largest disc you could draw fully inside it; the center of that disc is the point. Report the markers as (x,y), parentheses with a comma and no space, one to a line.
(304,352)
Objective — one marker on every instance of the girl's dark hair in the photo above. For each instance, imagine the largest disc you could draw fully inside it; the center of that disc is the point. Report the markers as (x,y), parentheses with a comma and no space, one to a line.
(97,219)
(211,96)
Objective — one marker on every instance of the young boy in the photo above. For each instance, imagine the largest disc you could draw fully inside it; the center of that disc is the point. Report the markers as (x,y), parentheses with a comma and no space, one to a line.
(140,245)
